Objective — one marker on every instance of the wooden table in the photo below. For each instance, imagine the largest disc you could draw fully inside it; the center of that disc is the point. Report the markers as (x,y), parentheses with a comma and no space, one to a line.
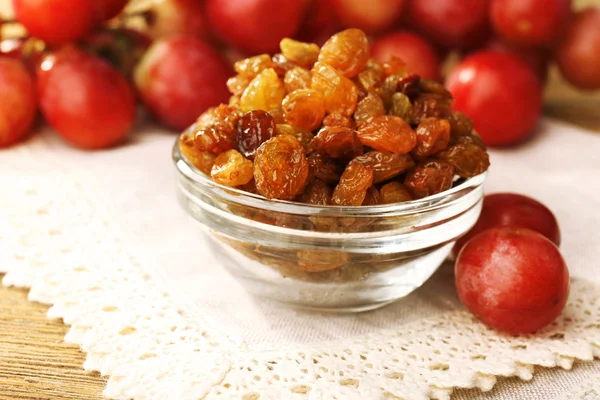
(36,364)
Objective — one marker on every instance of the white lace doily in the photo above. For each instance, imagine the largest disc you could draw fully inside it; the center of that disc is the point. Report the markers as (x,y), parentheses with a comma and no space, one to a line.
(100,237)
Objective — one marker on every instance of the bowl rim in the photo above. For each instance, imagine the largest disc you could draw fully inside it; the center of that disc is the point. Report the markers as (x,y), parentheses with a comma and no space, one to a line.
(189,171)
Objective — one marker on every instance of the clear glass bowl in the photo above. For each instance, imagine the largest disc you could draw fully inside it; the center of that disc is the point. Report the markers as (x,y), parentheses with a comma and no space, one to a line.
(328,258)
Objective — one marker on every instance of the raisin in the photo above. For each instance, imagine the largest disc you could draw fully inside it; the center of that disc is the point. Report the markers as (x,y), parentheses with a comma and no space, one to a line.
(303,54)
(394,66)
(337,142)
(346,51)
(433,135)
(254,128)
(324,168)
(304,137)
(368,108)
(265,92)
(202,160)
(338,120)
(433,87)
(461,124)
(385,165)
(473,138)
(238,83)
(304,108)
(296,78)
(234,101)
(282,64)
(321,260)
(277,114)
(394,192)
(232,169)
(280,168)
(339,92)
(372,197)
(216,129)
(253,66)
(468,159)
(409,85)
(370,78)
(426,106)
(318,193)
(429,177)
(353,185)
(388,133)
(401,106)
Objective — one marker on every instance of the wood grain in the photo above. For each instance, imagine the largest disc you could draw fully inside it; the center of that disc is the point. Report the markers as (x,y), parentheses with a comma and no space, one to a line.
(35,363)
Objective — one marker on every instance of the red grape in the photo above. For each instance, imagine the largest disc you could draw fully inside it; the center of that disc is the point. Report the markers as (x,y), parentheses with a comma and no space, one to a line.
(500,93)
(58,21)
(179,78)
(578,53)
(530,22)
(536,57)
(418,54)
(171,17)
(85,99)
(511,209)
(111,8)
(255,26)
(461,24)
(370,16)
(319,23)
(512,279)
(17,96)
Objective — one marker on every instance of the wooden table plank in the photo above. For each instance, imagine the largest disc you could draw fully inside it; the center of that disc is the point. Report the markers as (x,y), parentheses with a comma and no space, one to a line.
(35,363)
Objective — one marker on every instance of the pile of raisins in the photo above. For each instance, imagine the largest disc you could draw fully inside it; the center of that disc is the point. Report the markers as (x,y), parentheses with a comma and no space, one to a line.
(330,126)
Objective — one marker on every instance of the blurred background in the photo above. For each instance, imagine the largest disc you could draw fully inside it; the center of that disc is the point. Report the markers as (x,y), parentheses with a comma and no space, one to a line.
(174,57)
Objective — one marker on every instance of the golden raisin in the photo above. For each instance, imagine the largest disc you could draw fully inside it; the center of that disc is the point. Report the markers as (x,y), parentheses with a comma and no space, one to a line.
(394,66)
(215,129)
(282,64)
(346,51)
(337,142)
(385,165)
(296,78)
(371,77)
(304,136)
(304,108)
(324,168)
(388,133)
(251,67)
(202,160)
(303,54)
(232,169)
(321,260)
(372,197)
(280,168)
(401,106)
(338,120)
(277,114)
(394,192)
(468,159)
(433,135)
(339,93)
(426,105)
(254,128)
(433,87)
(461,124)
(318,193)
(354,183)
(368,108)
(238,83)
(429,177)
(265,92)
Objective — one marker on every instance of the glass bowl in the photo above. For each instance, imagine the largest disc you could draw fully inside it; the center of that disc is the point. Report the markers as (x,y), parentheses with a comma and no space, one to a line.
(328,258)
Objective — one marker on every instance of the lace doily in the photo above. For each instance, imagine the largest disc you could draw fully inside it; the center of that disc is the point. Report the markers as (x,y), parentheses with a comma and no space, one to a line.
(65,234)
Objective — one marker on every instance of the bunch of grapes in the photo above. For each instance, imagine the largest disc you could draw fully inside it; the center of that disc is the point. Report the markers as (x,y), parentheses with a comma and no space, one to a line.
(85,65)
